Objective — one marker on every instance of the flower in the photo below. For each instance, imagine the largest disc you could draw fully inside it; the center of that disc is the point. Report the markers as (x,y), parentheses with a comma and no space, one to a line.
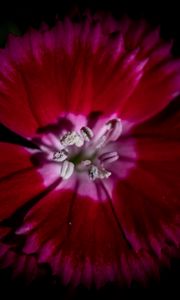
(97,197)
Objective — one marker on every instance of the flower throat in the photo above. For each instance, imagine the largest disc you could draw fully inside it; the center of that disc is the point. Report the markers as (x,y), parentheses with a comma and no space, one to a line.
(82,151)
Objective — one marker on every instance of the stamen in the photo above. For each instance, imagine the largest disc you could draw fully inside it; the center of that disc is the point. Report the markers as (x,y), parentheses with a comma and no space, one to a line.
(115,129)
(103,173)
(67,169)
(71,138)
(60,155)
(108,157)
(79,141)
(95,173)
(86,162)
(83,161)
(84,165)
(101,141)
(112,132)
(86,133)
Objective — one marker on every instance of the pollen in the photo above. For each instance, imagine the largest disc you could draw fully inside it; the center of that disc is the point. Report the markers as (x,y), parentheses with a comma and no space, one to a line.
(71,138)
(60,155)
(97,173)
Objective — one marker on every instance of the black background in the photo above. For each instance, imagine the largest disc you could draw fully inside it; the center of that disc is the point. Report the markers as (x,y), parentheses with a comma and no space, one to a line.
(18,17)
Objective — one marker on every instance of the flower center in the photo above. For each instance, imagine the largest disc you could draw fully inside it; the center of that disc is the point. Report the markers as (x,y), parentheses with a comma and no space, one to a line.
(82,151)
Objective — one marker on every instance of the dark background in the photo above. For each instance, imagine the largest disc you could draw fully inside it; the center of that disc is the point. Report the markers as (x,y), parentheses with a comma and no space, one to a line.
(17,18)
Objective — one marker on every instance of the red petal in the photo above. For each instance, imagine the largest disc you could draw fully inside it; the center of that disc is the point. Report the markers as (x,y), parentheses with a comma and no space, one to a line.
(163,127)
(156,89)
(133,32)
(17,189)
(144,204)
(158,150)
(81,230)
(157,146)
(4,231)
(13,158)
(14,103)
(19,266)
(33,81)
(100,241)
(115,84)
(80,68)
(82,240)
(17,176)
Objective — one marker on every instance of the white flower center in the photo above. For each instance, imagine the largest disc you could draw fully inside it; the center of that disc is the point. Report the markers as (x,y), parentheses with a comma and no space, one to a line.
(87,158)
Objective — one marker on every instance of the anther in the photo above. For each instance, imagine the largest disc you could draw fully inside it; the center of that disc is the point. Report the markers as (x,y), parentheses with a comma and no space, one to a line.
(108,157)
(112,132)
(86,133)
(95,173)
(83,165)
(71,138)
(103,173)
(115,129)
(67,169)
(60,155)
